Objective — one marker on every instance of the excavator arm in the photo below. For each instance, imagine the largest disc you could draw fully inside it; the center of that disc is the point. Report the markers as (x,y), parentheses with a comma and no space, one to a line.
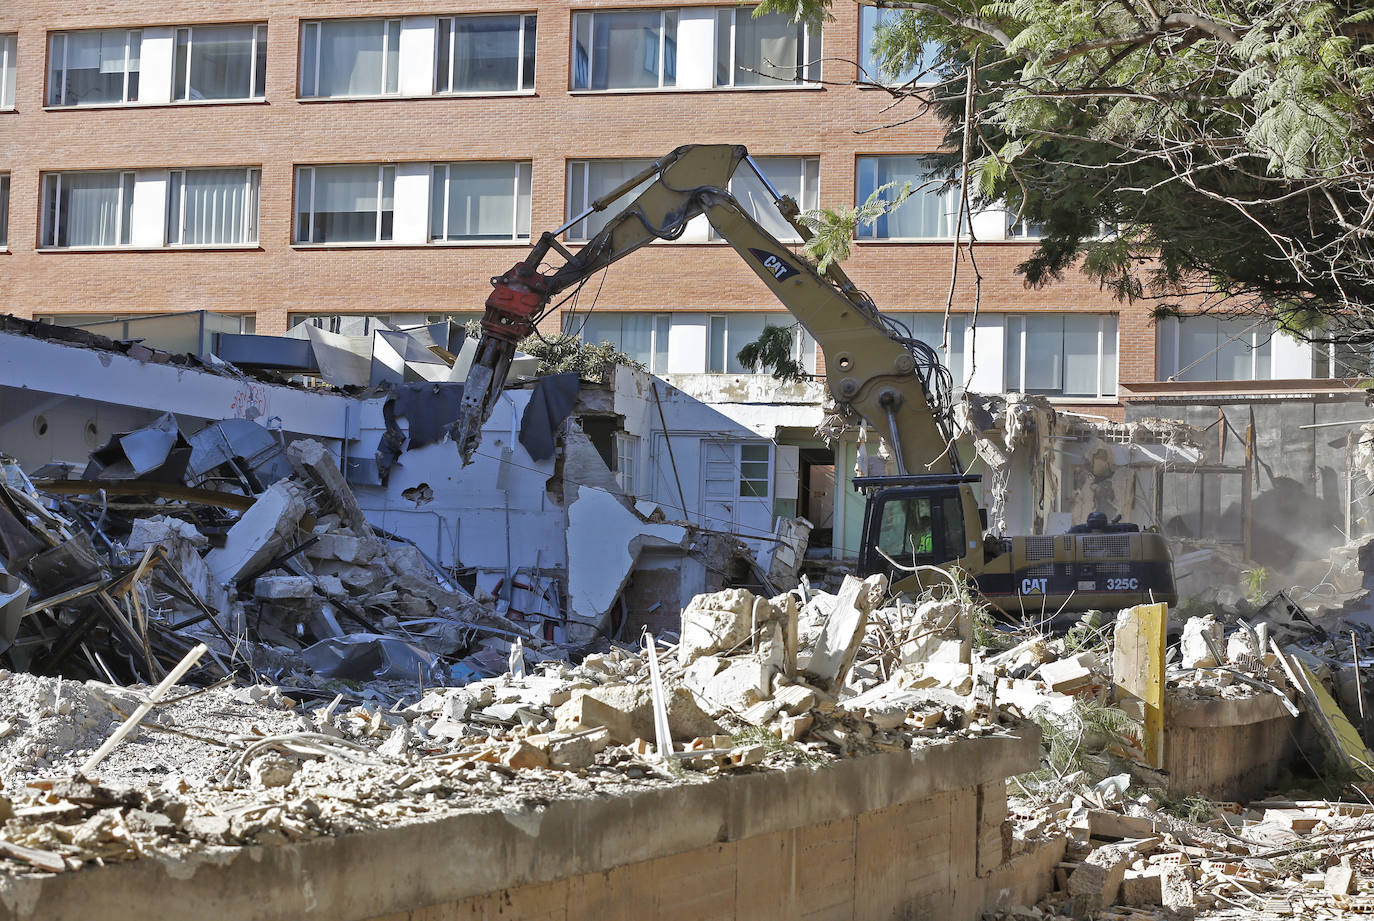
(891,380)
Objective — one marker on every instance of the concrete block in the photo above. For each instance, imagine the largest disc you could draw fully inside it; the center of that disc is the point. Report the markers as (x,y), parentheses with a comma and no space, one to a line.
(635,720)
(1066,675)
(276,588)
(317,465)
(522,754)
(575,751)
(585,712)
(1096,882)
(744,682)
(1103,823)
(1176,889)
(345,548)
(1193,646)
(1139,889)
(1339,880)
(715,622)
(795,698)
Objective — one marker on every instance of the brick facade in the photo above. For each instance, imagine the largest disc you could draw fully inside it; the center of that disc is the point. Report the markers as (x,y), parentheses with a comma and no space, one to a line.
(548,127)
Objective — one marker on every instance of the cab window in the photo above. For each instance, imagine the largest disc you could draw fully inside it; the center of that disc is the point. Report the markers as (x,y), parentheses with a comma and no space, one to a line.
(952,508)
(906,529)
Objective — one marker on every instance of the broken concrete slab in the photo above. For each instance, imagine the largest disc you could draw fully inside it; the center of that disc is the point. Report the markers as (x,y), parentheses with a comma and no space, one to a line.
(1195,648)
(277,588)
(317,465)
(843,630)
(604,540)
(634,703)
(715,622)
(741,684)
(261,534)
(1067,675)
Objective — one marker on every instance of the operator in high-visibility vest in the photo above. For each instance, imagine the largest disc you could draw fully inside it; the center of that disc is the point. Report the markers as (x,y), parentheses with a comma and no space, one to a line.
(923,536)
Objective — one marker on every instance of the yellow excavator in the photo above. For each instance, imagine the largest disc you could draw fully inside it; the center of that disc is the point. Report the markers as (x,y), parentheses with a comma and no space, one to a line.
(920,523)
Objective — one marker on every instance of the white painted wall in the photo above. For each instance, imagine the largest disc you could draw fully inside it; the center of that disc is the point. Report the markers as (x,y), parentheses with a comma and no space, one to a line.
(985,346)
(155,65)
(417,57)
(149,214)
(412,199)
(1289,357)
(696,47)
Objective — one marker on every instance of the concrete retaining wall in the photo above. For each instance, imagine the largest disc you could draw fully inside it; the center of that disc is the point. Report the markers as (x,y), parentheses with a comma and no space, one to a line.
(906,835)
(1227,749)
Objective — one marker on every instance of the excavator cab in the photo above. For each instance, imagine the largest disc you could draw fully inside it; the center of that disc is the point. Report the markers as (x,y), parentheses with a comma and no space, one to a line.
(911,522)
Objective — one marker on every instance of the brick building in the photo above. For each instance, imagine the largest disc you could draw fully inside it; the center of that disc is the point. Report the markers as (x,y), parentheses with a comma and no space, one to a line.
(283,160)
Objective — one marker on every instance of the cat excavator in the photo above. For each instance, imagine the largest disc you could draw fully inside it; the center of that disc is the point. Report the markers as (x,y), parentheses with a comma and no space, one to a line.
(921,523)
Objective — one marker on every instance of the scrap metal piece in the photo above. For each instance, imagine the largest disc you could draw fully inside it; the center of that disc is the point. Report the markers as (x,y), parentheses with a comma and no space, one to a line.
(250,448)
(154,452)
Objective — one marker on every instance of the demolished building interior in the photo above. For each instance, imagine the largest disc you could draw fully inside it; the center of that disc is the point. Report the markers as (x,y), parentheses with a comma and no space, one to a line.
(261,603)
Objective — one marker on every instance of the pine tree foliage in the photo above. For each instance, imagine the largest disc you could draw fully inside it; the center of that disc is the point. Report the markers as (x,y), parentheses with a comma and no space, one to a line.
(1216,153)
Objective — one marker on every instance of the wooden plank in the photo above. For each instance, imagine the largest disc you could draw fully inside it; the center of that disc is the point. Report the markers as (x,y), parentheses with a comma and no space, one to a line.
(209,497)
(1138,668)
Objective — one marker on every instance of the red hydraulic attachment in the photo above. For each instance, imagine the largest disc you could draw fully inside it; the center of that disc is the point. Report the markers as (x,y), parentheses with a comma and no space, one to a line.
(513,307)
(515,302)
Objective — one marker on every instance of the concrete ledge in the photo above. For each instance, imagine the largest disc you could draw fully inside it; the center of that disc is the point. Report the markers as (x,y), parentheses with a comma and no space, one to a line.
(1220,711)
(397,869)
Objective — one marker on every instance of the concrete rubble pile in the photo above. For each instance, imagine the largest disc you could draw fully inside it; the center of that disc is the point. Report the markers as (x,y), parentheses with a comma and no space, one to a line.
(285,581)
(1137,851)
(753,684)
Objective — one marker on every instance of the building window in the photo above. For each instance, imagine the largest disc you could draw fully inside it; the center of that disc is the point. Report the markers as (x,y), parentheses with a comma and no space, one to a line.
(212,207)
(220,62)
(360,324)
(798,177)
(484,54)
(4,210)
(345,204)
(87,209)
(351,57)
(624,49)
(870,19)
(1061,354)
(642,336)
(769,50)
(589,180)
(8,50)
(99,67)
(1210,348)
(728,333)
(479,201)
(928,213)
(1023,229)
(626,455)
(929,327)
(754,471)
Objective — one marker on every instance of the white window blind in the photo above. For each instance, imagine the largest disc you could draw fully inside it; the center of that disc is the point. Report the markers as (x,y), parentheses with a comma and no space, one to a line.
(8,51)
(208,207)
(220,62)
(87,209)
(484,54)
(350,57)
(345,204)
(768,50)
(479,201)
(930,210)
(98,67)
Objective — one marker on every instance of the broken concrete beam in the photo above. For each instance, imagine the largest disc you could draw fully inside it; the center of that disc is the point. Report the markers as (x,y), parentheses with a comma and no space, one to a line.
(261,534)
(315,464)
(843,630)
(1103,823)
(715,622)
(277,588)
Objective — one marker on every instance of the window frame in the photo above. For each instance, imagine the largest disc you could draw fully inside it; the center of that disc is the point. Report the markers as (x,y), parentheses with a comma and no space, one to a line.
(317,25)
(591,59)
(252,178)
(528,39)
(1167,353)
(9,58)
(314,186)
(797,353)
(522,169)
(1019,386)
(50,225)
(953,223)
(812,53)
(256,93)
(804,159)
(585,165)
(60,102)
(626,461)
(660,333)
(922,77)
(5,185)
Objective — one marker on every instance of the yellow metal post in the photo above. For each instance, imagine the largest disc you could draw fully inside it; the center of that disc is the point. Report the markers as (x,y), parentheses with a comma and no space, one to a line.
(1138,669)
